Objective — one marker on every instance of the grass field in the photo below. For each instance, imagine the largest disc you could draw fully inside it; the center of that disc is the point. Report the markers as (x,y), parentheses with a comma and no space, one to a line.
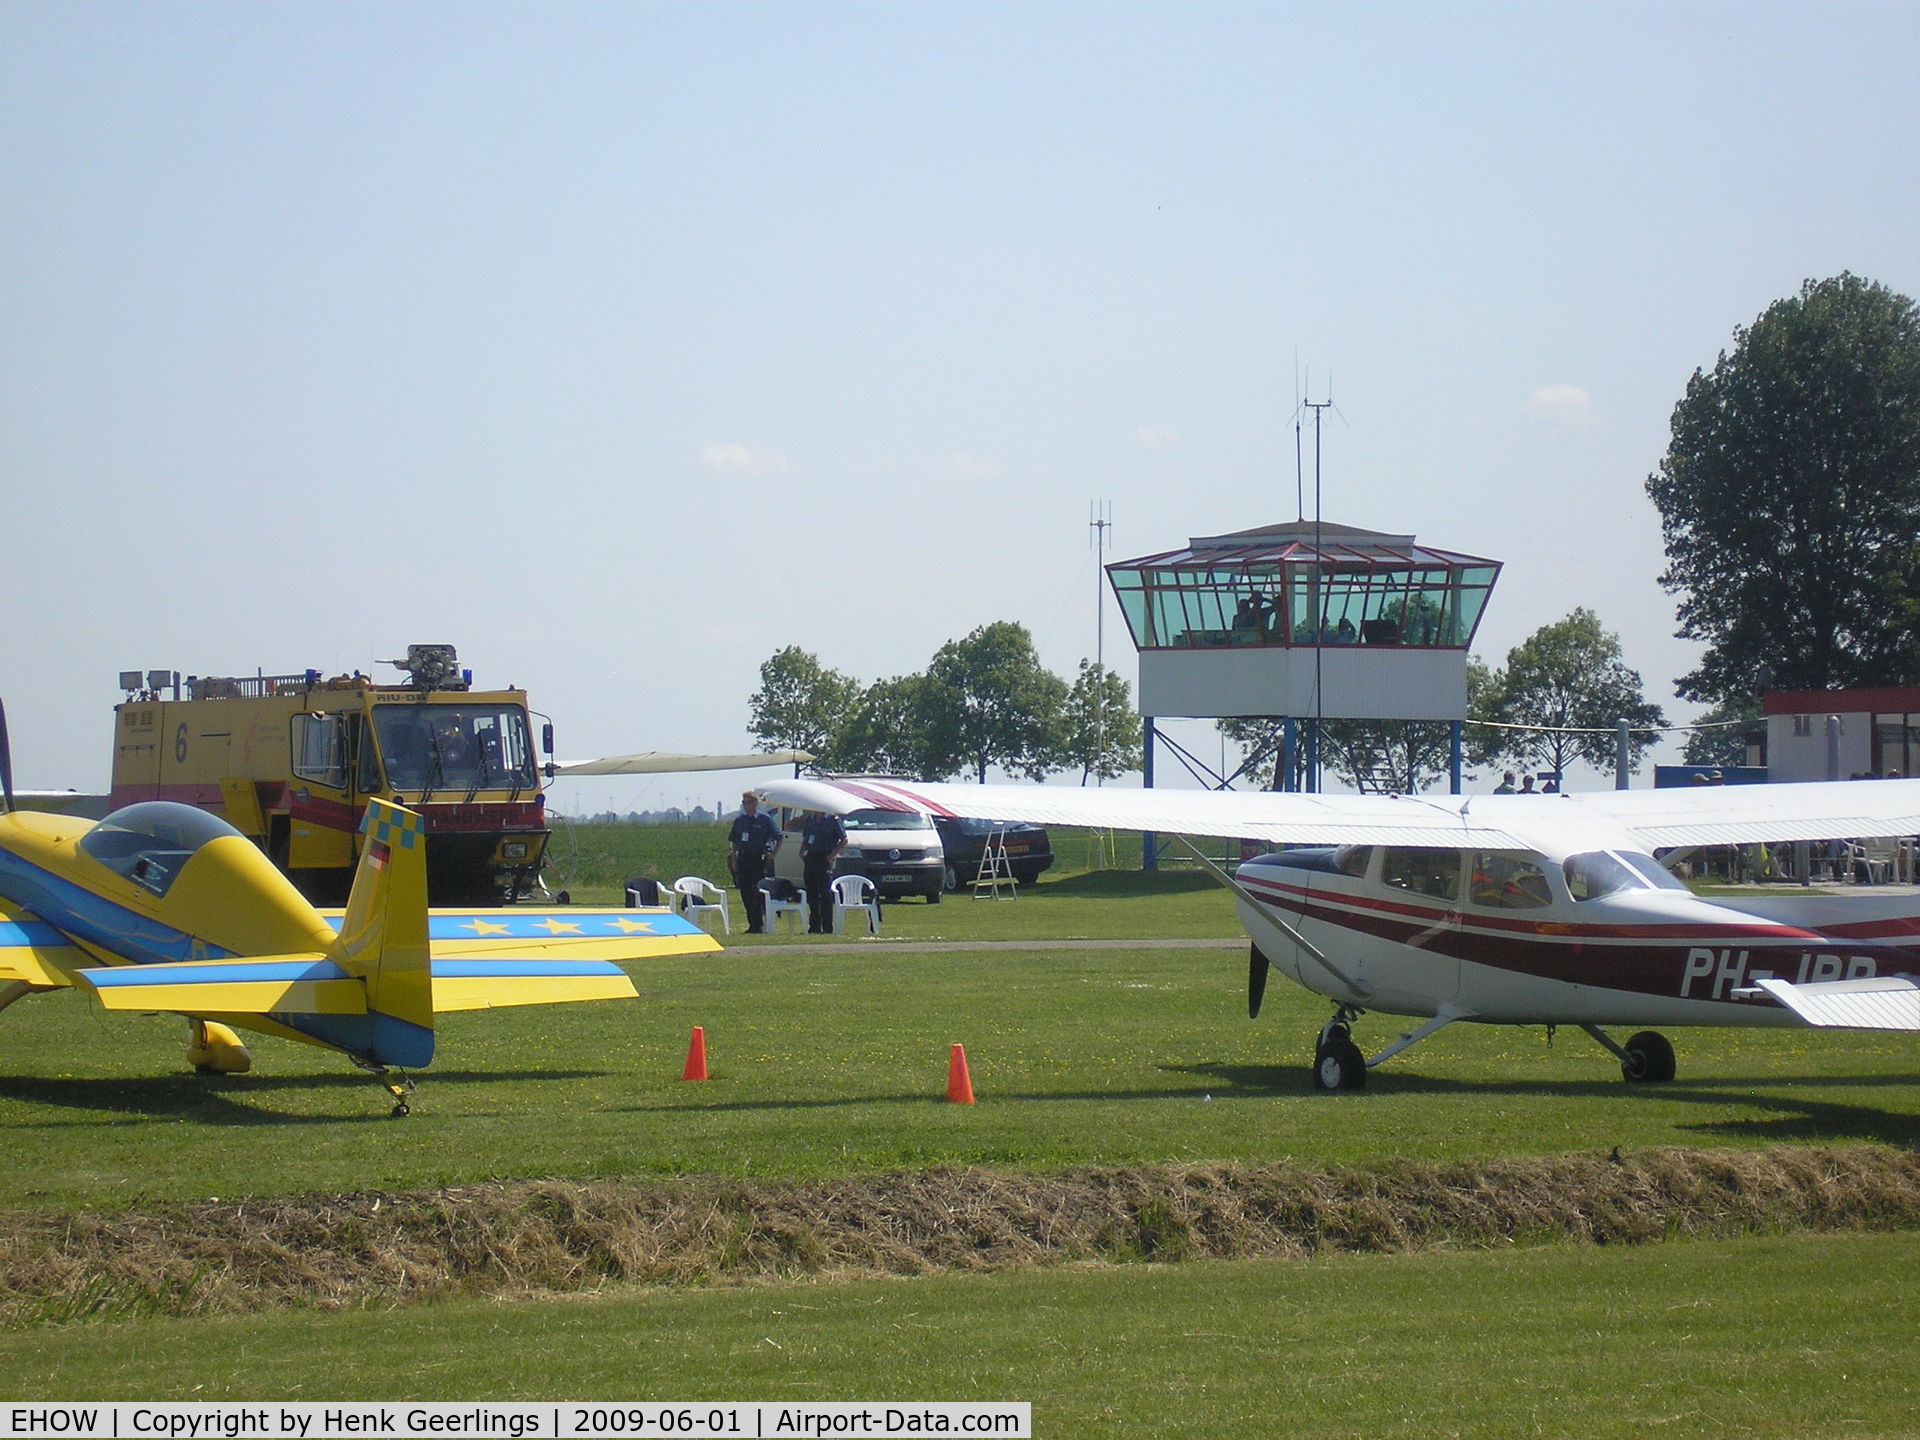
(1770,1336)
(827,1064)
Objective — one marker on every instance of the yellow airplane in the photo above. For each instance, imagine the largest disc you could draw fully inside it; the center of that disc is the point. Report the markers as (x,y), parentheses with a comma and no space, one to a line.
(164,907)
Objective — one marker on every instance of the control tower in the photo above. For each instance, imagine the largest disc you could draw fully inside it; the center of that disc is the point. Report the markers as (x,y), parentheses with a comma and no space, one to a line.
(1303,621)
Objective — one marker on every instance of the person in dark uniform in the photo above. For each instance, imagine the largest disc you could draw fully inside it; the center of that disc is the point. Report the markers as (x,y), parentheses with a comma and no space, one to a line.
(822,838)
(750,846)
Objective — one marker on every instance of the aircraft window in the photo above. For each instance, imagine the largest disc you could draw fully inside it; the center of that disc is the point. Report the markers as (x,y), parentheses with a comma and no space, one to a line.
(150,843)
(887,820)
(1509,882)
(1599,872)
(1353,859)
(1657,874)
(1423,871)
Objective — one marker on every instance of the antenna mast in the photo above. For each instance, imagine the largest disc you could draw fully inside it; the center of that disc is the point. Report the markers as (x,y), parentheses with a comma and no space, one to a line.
(1099,521)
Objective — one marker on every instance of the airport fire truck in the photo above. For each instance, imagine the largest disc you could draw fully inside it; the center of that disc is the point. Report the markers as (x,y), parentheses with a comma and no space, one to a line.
(290,760)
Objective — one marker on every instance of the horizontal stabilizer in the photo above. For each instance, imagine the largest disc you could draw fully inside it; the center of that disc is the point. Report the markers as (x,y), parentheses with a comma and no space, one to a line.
(559,932)
(477,984)
(34,952)
(263,985)
(1888,1002)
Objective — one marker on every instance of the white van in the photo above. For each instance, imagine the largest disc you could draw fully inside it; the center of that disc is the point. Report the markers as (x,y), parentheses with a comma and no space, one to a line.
(899,850)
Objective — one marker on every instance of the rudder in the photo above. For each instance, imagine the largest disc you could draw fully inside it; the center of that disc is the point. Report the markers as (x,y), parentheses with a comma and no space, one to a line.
(383,936)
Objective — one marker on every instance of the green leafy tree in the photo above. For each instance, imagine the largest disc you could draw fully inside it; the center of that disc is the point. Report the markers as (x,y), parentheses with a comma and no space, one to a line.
(890,732)
(1720,743)
(1565,686)
(1100,730)
(991,703)
(801,705)
(1790,497)
(1406,756)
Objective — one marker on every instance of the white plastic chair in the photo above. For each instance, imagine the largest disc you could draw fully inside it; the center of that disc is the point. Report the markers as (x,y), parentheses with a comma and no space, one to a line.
(1880,857)
(855,892)
(701,898)
(795,910)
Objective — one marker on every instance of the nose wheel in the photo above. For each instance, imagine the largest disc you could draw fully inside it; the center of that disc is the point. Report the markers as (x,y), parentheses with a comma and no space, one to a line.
(1337,1061)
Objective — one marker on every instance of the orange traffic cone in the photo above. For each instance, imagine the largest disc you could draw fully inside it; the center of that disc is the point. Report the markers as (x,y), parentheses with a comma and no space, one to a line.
(959,1083)
(696,1056)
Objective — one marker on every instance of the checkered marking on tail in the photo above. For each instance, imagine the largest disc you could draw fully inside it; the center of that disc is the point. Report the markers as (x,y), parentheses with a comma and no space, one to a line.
(384,828)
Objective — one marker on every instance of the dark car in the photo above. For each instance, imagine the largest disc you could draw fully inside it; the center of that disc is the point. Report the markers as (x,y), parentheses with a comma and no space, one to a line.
(1028,849)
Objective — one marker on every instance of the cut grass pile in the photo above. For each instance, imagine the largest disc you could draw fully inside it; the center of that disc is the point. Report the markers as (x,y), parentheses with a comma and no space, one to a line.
(385,1250)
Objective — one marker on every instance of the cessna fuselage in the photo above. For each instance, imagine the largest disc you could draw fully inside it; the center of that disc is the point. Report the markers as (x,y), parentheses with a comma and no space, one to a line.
(1570,933)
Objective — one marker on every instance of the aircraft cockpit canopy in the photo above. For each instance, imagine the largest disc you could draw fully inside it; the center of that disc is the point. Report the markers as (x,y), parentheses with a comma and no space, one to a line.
(151,842)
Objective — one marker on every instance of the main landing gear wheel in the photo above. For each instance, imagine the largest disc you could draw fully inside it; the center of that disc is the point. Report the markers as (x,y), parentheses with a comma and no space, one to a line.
(1337,1061)
(1648,1058)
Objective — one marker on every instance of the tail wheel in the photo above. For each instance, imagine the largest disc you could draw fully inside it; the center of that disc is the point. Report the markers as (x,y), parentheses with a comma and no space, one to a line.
(1649,1059)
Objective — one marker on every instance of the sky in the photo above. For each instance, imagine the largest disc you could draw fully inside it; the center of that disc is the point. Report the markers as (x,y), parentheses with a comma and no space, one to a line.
(622,345)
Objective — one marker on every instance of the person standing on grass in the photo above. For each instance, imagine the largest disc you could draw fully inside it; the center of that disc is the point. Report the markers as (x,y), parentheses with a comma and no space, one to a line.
(750,847)
(822,838)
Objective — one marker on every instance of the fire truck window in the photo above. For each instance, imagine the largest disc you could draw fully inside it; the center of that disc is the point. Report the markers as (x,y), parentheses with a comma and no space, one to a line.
(320,749)
(455,747)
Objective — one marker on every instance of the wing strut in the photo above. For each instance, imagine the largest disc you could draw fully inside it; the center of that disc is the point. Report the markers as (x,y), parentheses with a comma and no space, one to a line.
(1359,987)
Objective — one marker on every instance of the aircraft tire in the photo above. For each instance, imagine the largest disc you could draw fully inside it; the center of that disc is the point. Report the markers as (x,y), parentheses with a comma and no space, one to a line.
(1649,1058)
(1339,1065)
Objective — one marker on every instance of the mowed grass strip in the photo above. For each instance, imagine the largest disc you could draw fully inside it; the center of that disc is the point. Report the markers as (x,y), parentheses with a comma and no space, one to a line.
(1755,1337)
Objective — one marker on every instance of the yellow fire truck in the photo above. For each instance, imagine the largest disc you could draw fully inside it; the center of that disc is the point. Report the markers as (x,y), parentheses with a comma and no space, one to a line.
(291,760)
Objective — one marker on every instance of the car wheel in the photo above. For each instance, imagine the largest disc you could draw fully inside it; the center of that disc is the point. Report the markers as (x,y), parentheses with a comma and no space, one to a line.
(949,880)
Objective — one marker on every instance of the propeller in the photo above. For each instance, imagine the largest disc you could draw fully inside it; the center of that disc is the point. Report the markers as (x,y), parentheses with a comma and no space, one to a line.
(1257,967)
(6,761)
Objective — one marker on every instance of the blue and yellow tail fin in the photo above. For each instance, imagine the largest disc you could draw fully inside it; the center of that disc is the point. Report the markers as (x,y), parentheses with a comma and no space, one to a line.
(383,937)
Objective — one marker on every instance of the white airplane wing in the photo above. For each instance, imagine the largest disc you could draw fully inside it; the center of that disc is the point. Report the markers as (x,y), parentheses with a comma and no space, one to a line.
(1701,815)
(659,762)
(1753,814)
(1887,1002)
(1277,818)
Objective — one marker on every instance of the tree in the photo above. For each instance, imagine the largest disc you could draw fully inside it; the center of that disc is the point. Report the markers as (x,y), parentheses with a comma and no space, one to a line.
(801,705)
(991,703)
(1565,685)
(888,732)
(1100,730)
(1790,497)
(1408,756)
(1718,742)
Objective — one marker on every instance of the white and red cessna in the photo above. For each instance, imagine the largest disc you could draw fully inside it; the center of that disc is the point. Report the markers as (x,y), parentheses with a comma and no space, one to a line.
(1516,910)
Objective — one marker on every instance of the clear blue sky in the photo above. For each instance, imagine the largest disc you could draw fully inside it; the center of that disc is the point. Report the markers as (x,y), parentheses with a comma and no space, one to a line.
(623,344)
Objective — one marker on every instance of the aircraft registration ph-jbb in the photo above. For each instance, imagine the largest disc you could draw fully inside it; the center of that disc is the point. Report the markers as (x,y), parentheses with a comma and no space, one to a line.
(1515,910)
(163,907)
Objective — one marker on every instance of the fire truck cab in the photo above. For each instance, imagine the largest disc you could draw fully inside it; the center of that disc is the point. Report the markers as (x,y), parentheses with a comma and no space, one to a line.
(290,761)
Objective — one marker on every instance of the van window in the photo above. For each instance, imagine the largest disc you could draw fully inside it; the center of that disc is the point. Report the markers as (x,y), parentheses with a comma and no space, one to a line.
(886,820)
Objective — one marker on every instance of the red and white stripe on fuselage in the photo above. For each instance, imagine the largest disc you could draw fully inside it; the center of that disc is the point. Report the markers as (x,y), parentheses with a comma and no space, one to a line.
(1639,957)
